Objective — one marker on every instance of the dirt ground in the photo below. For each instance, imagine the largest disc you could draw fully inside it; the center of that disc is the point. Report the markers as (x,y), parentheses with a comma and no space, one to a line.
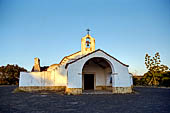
(144,100)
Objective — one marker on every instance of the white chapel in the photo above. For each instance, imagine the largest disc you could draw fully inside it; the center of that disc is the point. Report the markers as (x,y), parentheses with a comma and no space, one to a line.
(88,69)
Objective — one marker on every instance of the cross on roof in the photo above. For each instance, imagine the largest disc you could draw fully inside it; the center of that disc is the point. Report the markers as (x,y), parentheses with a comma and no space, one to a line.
(88,30)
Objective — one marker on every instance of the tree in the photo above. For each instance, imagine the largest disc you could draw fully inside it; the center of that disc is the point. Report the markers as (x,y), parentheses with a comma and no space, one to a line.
(10,74)
(165,81)
(155,69)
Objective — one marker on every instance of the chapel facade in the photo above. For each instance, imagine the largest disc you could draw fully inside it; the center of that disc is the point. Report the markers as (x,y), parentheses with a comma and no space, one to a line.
(88,69)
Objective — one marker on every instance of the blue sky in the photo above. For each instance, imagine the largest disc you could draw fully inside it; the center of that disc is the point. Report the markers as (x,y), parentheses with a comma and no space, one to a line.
(52,29)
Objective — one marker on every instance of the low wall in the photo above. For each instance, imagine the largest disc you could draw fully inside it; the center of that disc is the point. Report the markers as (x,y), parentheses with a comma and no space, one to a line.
(74,91)
(46,78)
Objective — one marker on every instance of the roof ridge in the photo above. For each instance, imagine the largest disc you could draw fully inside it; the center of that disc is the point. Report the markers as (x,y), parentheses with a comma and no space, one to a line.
(69,56)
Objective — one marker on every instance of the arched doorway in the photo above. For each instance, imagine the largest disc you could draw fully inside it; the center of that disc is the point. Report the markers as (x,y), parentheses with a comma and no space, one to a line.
(96,74)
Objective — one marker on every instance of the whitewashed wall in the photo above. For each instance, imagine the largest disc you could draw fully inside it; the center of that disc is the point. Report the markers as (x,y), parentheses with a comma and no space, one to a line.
(121,77)
(108,76)
(58,77)
(46,78)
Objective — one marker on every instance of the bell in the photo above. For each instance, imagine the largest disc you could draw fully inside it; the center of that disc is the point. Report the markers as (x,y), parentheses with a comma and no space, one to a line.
(87,43)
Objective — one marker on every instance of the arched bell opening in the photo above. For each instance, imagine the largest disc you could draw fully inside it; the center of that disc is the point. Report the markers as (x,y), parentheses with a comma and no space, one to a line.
(96,74)
(88,42)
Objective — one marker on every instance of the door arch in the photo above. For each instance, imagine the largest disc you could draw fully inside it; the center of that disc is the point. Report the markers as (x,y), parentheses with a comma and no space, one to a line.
(96,74)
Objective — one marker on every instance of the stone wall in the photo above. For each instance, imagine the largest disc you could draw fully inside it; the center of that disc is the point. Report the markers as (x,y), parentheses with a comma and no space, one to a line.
(42,88)
(74,91)
(121,90)
(108,88)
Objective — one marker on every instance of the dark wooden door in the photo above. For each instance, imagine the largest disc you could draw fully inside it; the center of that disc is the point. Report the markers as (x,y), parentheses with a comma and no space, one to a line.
(89,82)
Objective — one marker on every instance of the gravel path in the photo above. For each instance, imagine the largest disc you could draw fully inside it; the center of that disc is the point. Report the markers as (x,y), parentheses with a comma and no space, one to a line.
(144,100)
